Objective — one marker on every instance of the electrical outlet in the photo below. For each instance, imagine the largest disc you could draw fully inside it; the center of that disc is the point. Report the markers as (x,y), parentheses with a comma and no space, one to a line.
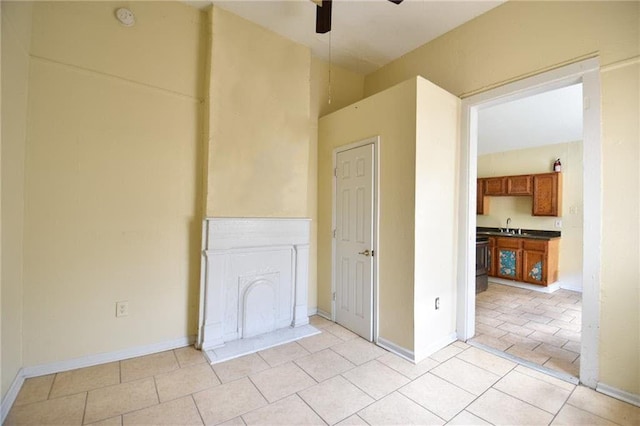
(558,223)
(437,303)
(122,308)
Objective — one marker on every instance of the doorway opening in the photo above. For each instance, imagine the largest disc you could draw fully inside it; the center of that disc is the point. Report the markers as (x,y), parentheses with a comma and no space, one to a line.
(586,74)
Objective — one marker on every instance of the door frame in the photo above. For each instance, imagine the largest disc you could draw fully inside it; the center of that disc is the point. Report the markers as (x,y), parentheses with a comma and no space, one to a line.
(375,141)
(586,72)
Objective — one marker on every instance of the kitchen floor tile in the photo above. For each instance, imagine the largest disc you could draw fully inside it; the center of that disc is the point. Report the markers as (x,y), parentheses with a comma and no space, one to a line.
(490,362)
(287,411)
(239,367)
(445,353)
(188,356)
(527,354)
(397,409)
(341,332)
(147,366)
(282,354)
(466,376)
(536,392)
(281,381)
(359,351)
(376,379)
(335,399)
(605,406)
(111,421)
(501,409)
(34,389)
(324,364)
(571,416)
(185,381)
(181,411)
(465,418)
(85,379)
(67,410)
(407,368)
(118,399)
(319,342)
(227,401)
(437,395)
(319,322)
(354,420)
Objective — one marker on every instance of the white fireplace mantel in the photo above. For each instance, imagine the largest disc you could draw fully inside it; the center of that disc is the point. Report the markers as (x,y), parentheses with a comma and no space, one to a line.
(254,279)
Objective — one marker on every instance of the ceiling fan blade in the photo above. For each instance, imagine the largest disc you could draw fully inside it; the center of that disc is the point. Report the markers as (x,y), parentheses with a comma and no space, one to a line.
(323,17)
(396,1)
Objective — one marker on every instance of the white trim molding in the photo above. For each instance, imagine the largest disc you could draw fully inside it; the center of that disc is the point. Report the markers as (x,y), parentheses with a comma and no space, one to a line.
(324,314)
(396,349)
(254,278)
(631,398)
(86,361)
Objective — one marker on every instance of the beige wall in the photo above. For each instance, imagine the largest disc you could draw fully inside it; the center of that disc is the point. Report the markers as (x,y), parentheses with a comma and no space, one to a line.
(259,122)
(522,38)
(539,160)
(16,35)
(112,195)
(346,88)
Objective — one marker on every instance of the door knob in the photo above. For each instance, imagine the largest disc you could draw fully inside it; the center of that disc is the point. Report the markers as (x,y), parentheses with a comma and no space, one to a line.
(366,252)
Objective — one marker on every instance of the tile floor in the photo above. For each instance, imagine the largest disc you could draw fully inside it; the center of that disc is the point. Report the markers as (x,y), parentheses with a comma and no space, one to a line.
(537,327)
(331,378)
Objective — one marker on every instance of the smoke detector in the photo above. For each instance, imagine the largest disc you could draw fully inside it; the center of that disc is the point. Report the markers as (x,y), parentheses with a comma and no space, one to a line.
(125,16)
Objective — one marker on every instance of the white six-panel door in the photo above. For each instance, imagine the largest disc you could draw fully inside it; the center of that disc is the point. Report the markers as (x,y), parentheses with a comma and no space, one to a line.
(354,239)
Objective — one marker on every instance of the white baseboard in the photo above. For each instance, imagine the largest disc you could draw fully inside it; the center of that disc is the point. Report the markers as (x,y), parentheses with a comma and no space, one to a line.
(86,361)
(616,393)
(312,311)
(572,287)
(541,289)
(12,394)
(396,349)
(437,345)
(323,314)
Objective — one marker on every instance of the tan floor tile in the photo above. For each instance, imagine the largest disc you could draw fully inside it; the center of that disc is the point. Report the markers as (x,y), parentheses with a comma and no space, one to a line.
(185,381)
(569,335)
(491,322)
(537,316)
(278,382)
(112,421)
(118,399)
(545,378)
(549,339)
(236,421)
(466,376)
(491,330)
(461,345)
(341,332)
(527,354)
(319,322)
(376,379)
(34,389)
(437,395)
(605,406)
(501,409)
(572,368)
(67,410)
(486,312)
(556,352)
(536,326)
(188,356)
(397,409)
(319,342)
(359,351)
(354,420)
(490,362)
(335,399)
(85,379)
(147,366)
(566,325)
(409,369)
(513,319)
(515,329)
(229,400)
(465,418)
(181,411)
(522,341)
(288,411)
(240,367)
(445,353)
(324,364)
(573,346)
(571,416)
(536,392)
(283,353)
(492,342)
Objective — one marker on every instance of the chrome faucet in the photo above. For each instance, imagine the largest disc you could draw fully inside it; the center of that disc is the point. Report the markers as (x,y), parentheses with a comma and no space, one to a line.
(508,222)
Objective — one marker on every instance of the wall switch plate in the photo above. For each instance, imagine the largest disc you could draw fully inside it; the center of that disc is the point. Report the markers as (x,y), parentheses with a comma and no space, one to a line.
(122,308)
(559,223)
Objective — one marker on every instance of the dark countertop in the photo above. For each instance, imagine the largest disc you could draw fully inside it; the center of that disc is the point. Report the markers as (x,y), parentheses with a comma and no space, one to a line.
(533,234)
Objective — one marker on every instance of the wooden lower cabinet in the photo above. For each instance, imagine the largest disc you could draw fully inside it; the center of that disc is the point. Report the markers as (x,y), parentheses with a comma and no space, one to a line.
(522,259)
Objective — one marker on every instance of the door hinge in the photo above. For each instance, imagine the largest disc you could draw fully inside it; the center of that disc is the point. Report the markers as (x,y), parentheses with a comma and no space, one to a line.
(335,171)
(334,296)
(334,233)
(373,253)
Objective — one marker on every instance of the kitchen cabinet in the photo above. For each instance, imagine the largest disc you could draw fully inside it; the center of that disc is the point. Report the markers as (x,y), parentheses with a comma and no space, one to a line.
(519,185)
(540,261)
(495,186)
(482,202)
(547,194)
(492,257)
(509,258)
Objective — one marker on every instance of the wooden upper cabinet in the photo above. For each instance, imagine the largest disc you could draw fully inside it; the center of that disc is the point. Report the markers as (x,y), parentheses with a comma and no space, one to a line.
(519,185)
(547,194)
(482,202)
(495,186)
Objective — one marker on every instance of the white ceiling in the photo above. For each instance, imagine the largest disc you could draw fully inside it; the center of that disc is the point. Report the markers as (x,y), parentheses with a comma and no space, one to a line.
(545,119)
(365,34)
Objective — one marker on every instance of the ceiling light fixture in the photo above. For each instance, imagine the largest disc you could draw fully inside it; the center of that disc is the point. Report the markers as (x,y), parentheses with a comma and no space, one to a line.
(125,17)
